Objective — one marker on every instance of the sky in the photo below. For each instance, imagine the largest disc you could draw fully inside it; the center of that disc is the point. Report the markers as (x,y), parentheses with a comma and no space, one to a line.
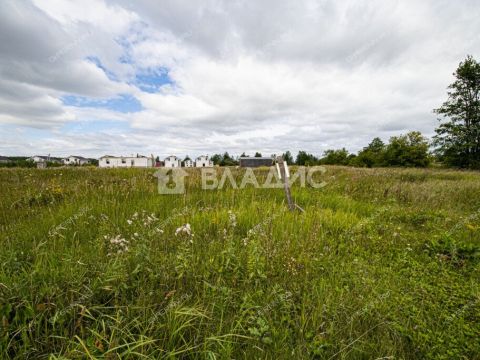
(121,77)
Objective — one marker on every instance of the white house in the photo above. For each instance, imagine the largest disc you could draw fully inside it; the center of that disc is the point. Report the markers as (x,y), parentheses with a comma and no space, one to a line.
(172,162)
(203,161)
(187,163)
(75,160)
(41,159)
(108,161)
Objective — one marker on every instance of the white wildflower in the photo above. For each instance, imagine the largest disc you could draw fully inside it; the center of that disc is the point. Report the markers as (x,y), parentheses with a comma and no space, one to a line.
(184,229)
(232,219)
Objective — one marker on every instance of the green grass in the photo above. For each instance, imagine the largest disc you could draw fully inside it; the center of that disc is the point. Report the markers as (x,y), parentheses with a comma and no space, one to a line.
(384,263)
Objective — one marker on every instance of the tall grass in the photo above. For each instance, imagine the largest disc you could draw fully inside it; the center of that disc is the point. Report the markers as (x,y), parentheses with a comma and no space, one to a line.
(384,263)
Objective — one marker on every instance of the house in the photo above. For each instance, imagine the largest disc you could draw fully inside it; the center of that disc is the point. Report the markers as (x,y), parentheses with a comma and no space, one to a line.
(42,164)
(255,161)
(203,161)
(172,162)
(40,158)
(4,160)
(141,161)
(75,160)
(187,162)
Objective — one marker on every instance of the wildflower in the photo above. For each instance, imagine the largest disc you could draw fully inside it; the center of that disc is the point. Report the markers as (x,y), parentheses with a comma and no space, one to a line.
(184,229)
(118,245)
(129,222)
(232,219)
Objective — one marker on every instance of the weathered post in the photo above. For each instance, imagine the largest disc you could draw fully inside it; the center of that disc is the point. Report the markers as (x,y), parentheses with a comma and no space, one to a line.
(284,174)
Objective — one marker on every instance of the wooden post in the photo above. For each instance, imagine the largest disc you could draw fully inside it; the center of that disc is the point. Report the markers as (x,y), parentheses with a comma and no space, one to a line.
(286,185)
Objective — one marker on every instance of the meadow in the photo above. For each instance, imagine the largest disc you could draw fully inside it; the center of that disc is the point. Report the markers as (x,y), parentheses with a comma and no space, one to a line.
(383,264)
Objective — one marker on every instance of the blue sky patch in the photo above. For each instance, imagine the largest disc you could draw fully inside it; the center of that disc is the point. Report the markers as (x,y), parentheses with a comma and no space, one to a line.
(123,103)
(95,60)
(95,126)
(151,81)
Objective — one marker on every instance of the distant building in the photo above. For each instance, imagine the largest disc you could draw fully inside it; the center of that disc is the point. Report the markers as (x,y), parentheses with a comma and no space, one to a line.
(255,161)
(172,162)
(203,161)
(75,160)
(187,163)
(139,161)
(40,158)
(4,160)
(42,164)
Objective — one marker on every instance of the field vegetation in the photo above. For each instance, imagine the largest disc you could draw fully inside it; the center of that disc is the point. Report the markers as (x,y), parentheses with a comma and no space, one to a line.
(383,264)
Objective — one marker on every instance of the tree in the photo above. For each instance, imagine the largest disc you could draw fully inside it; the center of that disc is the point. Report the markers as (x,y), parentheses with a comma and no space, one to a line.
(288,158)
(216,159)
(305,159)
(458,139)
(244,155)
(371,155)
(257,154)
(227,160)
(335,157)
(410,150)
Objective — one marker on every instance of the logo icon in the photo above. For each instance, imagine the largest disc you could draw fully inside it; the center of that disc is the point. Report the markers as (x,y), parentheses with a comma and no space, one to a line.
(171,180)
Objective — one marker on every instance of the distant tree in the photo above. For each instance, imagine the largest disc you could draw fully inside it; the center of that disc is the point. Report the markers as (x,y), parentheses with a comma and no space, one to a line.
(410,150)
(287,157)
(371,155)
(244,155)
(157,159)
(216,159)
(335,157)
(187,158)
(227,160)
(458,139)
(257,154)
(305,159)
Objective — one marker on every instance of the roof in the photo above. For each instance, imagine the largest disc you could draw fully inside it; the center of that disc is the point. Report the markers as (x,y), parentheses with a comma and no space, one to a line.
(122,157)
(46,157)
(4,158)
(78,157)
(168,157)
(256,158)
(202,156)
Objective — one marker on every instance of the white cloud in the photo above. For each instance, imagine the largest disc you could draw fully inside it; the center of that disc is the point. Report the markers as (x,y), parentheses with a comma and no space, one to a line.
(268,76)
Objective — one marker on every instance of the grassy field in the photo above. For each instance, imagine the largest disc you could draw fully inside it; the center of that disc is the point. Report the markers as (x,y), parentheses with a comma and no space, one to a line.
(383,264)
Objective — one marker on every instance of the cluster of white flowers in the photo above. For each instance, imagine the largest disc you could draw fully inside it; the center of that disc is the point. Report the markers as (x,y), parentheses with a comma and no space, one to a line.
(117,244)
(232,219)
(184,230)
(144,218)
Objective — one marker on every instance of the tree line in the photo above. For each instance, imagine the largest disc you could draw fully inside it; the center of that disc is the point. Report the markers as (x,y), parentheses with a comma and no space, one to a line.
(456,143)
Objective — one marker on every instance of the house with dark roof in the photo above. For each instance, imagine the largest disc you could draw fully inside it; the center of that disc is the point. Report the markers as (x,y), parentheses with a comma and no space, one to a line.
(4,160)
(255,161)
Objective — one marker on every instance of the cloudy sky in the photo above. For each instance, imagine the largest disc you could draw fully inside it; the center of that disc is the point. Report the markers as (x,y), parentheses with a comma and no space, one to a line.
(95,77)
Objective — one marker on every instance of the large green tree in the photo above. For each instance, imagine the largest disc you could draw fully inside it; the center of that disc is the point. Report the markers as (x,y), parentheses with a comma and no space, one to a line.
(458,136)
(335,157)
(371,155)
(410,150)
(304,158)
